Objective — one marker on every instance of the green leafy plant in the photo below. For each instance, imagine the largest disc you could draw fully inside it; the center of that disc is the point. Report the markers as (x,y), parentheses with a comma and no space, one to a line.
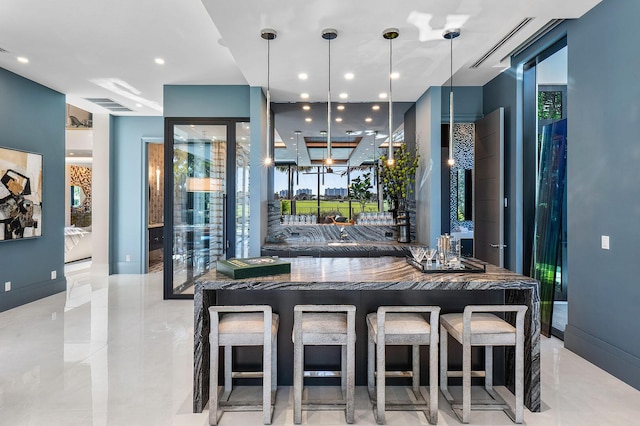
(285,206)
(360,189)
(397,178)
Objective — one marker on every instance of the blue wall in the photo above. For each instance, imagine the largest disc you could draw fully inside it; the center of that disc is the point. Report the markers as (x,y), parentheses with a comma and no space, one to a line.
(32,118)
(467,103)
(206,101)
(128,181)
(603,183)
(603,180)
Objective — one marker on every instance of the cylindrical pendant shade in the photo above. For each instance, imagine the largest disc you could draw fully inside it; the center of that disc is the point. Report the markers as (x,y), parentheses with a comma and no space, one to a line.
(269,34)
(450,35)
(390,34)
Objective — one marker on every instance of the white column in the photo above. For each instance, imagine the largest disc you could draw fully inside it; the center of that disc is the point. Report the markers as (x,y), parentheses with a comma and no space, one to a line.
(100,195)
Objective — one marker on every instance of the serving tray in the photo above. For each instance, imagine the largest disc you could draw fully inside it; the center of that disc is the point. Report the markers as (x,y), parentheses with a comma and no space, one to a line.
(466,266)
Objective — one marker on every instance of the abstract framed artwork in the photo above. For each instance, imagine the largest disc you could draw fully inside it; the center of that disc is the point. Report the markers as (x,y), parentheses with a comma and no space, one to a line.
(20,194)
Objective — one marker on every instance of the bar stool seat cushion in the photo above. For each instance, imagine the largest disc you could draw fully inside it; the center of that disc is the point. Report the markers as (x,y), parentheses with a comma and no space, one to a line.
(486,328)
(245,328)
(323,328)
(404,328)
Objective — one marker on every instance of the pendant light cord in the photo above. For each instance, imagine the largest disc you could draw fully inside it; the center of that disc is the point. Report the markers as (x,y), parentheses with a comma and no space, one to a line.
(329,159)
(390,101)
(269,142)
(451,160)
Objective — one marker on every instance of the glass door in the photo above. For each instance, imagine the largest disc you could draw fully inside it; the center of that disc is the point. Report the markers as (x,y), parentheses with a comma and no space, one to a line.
(196,199)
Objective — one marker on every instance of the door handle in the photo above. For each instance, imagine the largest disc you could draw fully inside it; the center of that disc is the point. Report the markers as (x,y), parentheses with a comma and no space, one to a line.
(498,246)
(225,243)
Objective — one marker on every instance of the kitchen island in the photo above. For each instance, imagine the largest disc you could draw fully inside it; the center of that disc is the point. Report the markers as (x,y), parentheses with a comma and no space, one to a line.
(366,283)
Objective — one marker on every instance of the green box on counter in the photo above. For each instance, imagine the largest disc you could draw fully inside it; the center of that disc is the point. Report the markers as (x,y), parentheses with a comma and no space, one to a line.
(252,267)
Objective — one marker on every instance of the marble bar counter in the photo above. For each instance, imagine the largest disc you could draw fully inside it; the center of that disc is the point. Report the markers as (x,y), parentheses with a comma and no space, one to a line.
(366,283)
(336,248)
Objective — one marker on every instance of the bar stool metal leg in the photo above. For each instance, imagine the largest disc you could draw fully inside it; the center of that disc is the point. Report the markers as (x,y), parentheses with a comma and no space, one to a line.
(242,326)
(322,325)
(478,326)
(406,326)
(213,376)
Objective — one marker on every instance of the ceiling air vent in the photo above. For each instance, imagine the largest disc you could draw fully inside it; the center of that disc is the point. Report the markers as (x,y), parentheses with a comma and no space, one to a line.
(502,42)
(535,37)
(109,104)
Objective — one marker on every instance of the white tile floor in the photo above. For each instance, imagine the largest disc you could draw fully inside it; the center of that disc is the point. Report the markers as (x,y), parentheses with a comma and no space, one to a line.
(110,351)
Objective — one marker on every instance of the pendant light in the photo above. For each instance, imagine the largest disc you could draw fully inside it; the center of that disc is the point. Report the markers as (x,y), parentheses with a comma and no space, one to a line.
(268,34)
(329,34)
(297,132)
(450,34)
(390,34)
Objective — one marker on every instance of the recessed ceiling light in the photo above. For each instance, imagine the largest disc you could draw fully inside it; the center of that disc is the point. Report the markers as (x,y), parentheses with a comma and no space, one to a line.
(303,76)
(304,95)
(308,119)
(138,105)
(349,76)
(339,119)
(159,61)
(71,153)
(306,107)
(323,132)
(368,119)
(395,75)
(192,125)
(340,107)
(382,95)
(343,96)
(375,107)
(23,60)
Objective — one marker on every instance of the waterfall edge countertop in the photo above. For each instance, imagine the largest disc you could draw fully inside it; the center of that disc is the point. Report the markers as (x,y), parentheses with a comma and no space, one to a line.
(381,273)
(364,276)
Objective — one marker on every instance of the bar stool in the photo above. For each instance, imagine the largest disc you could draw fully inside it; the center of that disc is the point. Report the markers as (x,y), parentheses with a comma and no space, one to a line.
(243,326)
(402,325)
(324,325)
(478,327)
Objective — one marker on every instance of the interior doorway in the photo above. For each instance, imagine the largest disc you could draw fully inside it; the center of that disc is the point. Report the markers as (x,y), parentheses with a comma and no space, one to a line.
(78,185)
(155,207)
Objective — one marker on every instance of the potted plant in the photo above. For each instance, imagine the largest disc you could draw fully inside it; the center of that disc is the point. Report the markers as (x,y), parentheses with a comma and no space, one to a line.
(360,190)
(397,178)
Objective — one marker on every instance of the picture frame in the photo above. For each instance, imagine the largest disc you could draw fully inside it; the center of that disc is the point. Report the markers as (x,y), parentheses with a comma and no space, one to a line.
(21,181)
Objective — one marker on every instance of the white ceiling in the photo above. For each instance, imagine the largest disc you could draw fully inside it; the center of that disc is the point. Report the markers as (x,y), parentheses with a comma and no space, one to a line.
(72,43)
(106,49)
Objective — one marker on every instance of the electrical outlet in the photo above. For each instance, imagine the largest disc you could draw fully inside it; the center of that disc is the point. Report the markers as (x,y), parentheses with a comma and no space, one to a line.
(7,286)
(127,258)
(54,274)
(605,242)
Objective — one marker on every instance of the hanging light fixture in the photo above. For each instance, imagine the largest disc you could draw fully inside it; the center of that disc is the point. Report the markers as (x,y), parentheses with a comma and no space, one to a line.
(329,34)
(268,34)
(450,34)
(390,34)
(297,132)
